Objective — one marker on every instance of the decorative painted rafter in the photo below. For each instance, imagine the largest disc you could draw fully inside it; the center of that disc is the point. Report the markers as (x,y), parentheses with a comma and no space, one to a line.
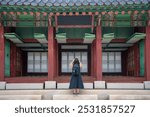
(61,37)
(11,14)
(88,38)
(108,37)
(139,19)
(13,37)
(136,37)
(40,38)
(103,18)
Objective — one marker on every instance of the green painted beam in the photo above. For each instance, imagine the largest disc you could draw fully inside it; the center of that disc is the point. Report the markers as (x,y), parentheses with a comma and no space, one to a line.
(123,17)
(26,17)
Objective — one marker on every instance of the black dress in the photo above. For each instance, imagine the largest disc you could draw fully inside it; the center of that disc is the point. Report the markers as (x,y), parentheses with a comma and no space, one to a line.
(76,81)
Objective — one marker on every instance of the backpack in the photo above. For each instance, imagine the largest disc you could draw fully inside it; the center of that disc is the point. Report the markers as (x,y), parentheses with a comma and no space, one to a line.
(75,71)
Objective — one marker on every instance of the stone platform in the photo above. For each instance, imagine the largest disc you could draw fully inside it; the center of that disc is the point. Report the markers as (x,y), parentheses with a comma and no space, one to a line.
(85,94)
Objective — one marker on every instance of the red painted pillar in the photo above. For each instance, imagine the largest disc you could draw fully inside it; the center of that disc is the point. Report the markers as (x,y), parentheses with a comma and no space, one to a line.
(147,53)
(51,53)
(2,53)
(98,45)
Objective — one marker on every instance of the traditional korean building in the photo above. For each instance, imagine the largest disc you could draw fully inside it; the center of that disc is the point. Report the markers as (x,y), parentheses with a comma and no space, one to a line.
(39,38)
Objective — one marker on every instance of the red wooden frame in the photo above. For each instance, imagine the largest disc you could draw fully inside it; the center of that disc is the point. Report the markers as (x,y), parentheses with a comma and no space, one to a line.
(26,79)
(74,40)
(30,41)
(118,41)
(147,53)
(2,53)
(75,26)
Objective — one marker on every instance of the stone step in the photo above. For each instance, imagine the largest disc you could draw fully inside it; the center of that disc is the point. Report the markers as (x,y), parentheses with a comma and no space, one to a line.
(20,97)
(48,94)
(129,97)
(83,92)
(75,97)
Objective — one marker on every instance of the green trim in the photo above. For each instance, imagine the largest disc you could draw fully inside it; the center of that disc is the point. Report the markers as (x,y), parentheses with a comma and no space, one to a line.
(7,58)
(142,58)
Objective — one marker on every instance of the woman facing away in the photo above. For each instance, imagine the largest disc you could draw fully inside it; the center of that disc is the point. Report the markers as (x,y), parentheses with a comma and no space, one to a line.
(76,82)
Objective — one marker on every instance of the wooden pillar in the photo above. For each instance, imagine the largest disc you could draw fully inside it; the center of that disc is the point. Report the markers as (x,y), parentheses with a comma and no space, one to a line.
(2,53)
(98,46)
(147,53)
(51,53)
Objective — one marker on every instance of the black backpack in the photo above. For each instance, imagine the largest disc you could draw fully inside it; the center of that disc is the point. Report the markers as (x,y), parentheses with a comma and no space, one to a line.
(75,71)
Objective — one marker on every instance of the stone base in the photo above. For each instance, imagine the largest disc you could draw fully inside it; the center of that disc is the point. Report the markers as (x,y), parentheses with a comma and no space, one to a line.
(75,97)
(147,84)
(50,84)
(125,86)
(88,85)
(2,85)
(99,85)
(24,86)
(62,85)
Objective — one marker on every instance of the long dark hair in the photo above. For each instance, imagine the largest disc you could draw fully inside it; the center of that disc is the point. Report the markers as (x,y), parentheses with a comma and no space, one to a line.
(76,61)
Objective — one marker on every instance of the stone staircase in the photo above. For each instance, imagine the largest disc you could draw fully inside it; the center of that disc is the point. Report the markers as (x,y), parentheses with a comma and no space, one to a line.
(93,94)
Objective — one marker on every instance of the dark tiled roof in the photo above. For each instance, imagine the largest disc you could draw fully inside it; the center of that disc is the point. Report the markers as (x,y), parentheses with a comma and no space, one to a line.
(72,2)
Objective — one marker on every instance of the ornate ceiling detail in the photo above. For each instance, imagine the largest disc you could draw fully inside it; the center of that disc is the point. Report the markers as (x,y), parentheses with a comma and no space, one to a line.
(38,11)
